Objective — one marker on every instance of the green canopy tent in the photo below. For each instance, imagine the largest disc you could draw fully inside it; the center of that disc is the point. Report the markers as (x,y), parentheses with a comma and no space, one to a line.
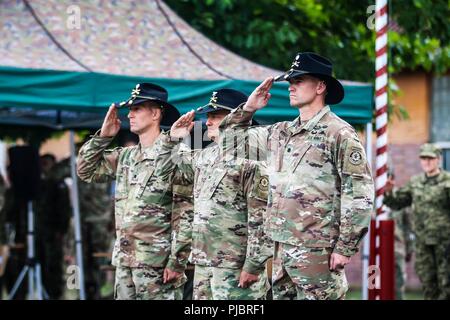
(27,97)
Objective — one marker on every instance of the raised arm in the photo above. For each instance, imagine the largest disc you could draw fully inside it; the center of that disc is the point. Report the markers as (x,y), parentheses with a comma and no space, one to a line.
(95,163)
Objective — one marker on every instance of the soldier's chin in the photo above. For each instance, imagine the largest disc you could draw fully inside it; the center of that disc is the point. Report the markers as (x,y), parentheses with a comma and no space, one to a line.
(134,130)
(294,104)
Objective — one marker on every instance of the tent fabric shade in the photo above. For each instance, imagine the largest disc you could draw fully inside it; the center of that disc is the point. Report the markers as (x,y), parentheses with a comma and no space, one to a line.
(137,38)
(43,63)
(90,92)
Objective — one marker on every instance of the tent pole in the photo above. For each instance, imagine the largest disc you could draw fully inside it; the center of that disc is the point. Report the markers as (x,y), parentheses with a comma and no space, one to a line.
(76,217)
(366,245)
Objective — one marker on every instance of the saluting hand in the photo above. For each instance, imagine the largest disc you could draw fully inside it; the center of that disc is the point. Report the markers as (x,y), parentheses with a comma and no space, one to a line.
(183,126)
(260,96)
(111,124)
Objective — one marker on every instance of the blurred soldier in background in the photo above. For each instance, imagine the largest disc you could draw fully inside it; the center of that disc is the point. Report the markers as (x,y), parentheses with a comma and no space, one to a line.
(95,214)
(403,245)
(52,212)
(4,250)
(429,195)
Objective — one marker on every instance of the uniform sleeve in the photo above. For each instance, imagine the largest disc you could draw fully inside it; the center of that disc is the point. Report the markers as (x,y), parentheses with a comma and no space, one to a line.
(259,245)
(238,135)
(408,230)
(400,198)
(357,192)
(95,163)
(174,156)
(176,159)
(182,218)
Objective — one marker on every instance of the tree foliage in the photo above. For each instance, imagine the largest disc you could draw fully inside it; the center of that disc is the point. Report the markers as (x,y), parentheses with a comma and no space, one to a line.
(271,32)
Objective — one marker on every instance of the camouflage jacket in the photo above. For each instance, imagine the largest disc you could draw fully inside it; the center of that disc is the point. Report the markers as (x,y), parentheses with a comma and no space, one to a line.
(230,198)
(430,200)
(321,189)
(143,200)
(183,213)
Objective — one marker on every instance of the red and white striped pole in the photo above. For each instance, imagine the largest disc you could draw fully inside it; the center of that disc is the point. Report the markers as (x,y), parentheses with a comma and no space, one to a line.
(382,250)
(381,98)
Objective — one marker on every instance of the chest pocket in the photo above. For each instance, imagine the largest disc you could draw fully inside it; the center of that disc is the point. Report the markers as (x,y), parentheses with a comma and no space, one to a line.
(142,183)
(211,185)
(301,154)
(121,190)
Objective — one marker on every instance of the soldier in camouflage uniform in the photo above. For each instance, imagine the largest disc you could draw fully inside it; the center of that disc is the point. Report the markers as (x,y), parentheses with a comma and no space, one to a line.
(403,245)
(429,195)
(95,215)
(225,235)
(2,216)
(52,213)
(143,201)
(321,190)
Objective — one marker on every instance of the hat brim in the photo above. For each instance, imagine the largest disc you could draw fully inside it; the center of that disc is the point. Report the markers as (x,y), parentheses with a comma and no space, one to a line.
(207,109)
(335,90)
(427,155)
(171,114)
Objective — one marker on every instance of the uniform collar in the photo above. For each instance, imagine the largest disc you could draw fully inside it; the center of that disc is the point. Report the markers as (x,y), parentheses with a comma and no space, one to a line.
(296,126)
(150,152)
(436,179)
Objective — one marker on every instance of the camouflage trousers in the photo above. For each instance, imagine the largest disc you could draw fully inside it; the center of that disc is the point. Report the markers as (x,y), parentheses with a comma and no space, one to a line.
(400,276)
(212,283)
(146,284)
(433,268)
(300,273)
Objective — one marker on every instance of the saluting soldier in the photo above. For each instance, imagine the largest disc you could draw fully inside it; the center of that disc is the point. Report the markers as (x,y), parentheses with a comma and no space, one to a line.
(143,200)
(321,189)
(225,235)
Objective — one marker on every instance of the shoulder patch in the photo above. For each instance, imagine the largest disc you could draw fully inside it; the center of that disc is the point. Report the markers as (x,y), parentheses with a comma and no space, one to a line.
(261,188)
(355,157)
(354,161)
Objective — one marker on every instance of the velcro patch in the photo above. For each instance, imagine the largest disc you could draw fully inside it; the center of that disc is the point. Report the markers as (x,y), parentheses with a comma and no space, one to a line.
(354,159)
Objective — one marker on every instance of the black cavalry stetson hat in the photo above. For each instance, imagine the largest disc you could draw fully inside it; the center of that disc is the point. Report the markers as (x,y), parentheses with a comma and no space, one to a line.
(223,99)
(152,92)
(320,67)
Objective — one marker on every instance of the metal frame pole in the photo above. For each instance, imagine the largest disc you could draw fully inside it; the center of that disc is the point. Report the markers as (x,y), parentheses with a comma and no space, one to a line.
(366,244)
(76,217)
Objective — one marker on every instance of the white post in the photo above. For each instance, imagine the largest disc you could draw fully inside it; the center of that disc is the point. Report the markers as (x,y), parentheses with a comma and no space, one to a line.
(366,244)
(31,252)
(76,216)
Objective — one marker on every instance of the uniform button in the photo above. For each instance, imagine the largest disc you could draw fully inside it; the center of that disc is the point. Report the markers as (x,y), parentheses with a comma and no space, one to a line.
(289,149)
